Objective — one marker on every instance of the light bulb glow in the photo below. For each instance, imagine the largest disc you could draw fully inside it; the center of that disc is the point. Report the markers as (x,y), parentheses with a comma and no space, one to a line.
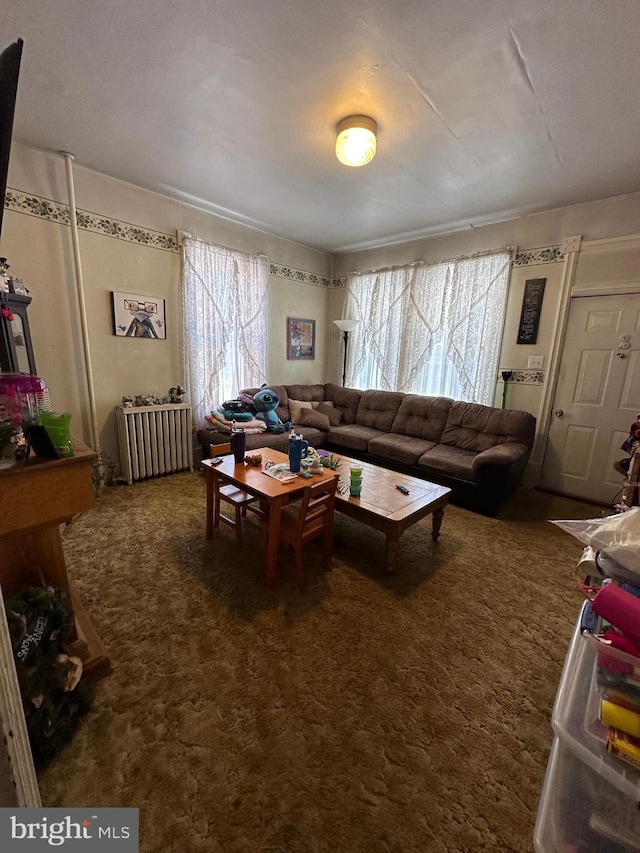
(356,141)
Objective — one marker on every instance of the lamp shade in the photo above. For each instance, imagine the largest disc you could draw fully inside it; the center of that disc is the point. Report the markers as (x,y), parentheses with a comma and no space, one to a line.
(356,141)
(346,325)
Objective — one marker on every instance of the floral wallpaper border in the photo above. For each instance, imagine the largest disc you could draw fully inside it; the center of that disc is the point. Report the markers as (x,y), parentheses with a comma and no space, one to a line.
(546,255)
(525,377)
(54,211)
(299,275)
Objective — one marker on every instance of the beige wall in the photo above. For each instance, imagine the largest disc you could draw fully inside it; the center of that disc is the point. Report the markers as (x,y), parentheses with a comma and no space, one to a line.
(39,250)
(607,218)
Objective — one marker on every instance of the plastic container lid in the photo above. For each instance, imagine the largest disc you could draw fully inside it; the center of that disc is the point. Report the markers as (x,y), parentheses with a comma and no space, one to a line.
(23,383)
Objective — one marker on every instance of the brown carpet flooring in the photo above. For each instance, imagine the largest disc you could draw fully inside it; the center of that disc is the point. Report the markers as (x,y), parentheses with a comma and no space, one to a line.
(368,713)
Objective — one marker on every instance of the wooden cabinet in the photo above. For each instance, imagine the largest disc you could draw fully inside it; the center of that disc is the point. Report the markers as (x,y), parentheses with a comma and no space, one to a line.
(16,350)
(35,499)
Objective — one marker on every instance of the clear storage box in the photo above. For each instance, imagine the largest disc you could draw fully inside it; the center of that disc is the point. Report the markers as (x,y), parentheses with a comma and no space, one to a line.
(588,794)
(579,810)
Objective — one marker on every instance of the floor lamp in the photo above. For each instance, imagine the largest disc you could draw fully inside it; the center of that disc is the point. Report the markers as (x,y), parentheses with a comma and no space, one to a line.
(345,327)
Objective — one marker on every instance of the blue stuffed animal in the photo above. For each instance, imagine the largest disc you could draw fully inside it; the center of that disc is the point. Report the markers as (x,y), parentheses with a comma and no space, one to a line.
(266,401)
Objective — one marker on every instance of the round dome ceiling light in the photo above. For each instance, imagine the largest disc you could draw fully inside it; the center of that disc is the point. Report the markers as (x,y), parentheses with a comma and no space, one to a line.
(356,141)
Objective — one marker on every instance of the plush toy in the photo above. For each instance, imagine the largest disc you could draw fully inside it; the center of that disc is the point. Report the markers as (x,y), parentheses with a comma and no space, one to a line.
(634,436)
(266,402)
(236,410)
(630,445)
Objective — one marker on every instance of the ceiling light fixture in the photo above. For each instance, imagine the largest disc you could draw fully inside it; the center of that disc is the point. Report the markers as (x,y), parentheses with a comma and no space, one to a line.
(356,141)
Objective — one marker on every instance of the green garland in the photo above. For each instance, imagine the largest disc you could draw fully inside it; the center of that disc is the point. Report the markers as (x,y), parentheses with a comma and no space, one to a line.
(40,623)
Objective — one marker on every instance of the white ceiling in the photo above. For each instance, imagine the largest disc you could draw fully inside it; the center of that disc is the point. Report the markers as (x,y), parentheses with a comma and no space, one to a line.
(487,109)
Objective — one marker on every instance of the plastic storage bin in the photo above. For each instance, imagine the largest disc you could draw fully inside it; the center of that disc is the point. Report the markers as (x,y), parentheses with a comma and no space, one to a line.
(589,795)
(575,718)
(579,810)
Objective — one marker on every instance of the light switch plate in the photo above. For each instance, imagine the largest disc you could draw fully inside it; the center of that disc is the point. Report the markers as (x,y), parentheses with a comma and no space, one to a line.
(536,362)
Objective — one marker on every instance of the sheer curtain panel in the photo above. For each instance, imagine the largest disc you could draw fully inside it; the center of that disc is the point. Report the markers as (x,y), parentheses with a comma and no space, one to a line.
(429,328)
(225,309)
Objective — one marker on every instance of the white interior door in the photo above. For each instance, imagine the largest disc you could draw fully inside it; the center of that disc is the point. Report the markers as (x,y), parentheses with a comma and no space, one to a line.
(597,397)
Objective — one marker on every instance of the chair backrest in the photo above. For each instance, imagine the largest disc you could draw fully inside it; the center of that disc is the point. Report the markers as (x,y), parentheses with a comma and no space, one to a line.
(317,508)
(219,449)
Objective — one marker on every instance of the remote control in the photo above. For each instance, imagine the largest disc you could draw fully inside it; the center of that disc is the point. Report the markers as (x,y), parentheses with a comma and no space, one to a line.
(403,489)
(217,460)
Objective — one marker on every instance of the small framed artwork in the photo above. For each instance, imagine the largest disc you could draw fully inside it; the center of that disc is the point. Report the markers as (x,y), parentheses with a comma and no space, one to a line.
(531,310)
(136,316)
(301,338)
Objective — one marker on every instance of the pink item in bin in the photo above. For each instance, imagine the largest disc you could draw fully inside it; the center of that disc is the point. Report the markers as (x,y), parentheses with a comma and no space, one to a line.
(620,608)
(616,663)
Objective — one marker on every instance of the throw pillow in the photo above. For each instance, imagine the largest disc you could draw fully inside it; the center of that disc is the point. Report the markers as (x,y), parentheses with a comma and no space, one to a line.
(313,418)
(295,408)
(328,409)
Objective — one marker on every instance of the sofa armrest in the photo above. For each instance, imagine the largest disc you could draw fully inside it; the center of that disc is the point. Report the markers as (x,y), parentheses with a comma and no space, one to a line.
(501,454)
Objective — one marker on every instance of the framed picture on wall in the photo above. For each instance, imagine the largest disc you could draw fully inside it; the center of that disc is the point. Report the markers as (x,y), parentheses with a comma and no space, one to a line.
(531,310)
(301,338)
(136,316)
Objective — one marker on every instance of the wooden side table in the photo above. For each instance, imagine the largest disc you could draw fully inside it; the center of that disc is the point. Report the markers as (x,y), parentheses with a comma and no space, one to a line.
(35,499)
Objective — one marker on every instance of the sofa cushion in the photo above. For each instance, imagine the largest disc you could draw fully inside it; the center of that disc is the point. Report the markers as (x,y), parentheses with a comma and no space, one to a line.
(471,426)
(277,441)
(327,408)
(314,436)
(422,417)
(453,461)
(400,448)
(344,399)
(353,436)
(505,454)
(306,393)
(313,418)
(377,409)
(295,410)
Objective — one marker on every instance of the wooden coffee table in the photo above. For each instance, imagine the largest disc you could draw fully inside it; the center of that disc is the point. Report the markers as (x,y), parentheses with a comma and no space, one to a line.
(384,507)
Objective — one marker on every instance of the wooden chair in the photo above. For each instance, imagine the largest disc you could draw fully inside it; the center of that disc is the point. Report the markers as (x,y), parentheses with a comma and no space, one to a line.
(231,494)
(309,519)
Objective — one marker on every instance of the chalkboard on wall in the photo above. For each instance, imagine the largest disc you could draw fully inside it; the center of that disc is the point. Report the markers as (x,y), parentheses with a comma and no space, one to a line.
(531,309)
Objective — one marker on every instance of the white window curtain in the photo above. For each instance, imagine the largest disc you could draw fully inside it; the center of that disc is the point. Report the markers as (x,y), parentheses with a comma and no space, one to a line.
(429,329)
(225,309)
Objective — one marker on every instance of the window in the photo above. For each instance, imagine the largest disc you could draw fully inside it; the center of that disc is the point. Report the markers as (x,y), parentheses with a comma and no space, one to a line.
(225,306)
(429,329)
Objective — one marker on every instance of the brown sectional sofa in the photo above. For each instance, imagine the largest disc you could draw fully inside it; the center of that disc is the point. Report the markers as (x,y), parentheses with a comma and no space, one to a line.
(480,452)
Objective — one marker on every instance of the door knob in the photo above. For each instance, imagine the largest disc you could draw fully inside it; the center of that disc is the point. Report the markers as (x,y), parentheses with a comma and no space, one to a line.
(559,413)
(621,355)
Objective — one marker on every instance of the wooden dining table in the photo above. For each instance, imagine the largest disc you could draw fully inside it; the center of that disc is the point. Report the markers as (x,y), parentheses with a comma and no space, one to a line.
(274,494)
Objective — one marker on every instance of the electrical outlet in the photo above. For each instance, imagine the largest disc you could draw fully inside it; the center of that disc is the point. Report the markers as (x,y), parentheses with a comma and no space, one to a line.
(536,362)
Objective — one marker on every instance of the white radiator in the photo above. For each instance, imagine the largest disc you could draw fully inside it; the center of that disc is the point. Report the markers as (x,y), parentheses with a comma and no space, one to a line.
(154,440)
